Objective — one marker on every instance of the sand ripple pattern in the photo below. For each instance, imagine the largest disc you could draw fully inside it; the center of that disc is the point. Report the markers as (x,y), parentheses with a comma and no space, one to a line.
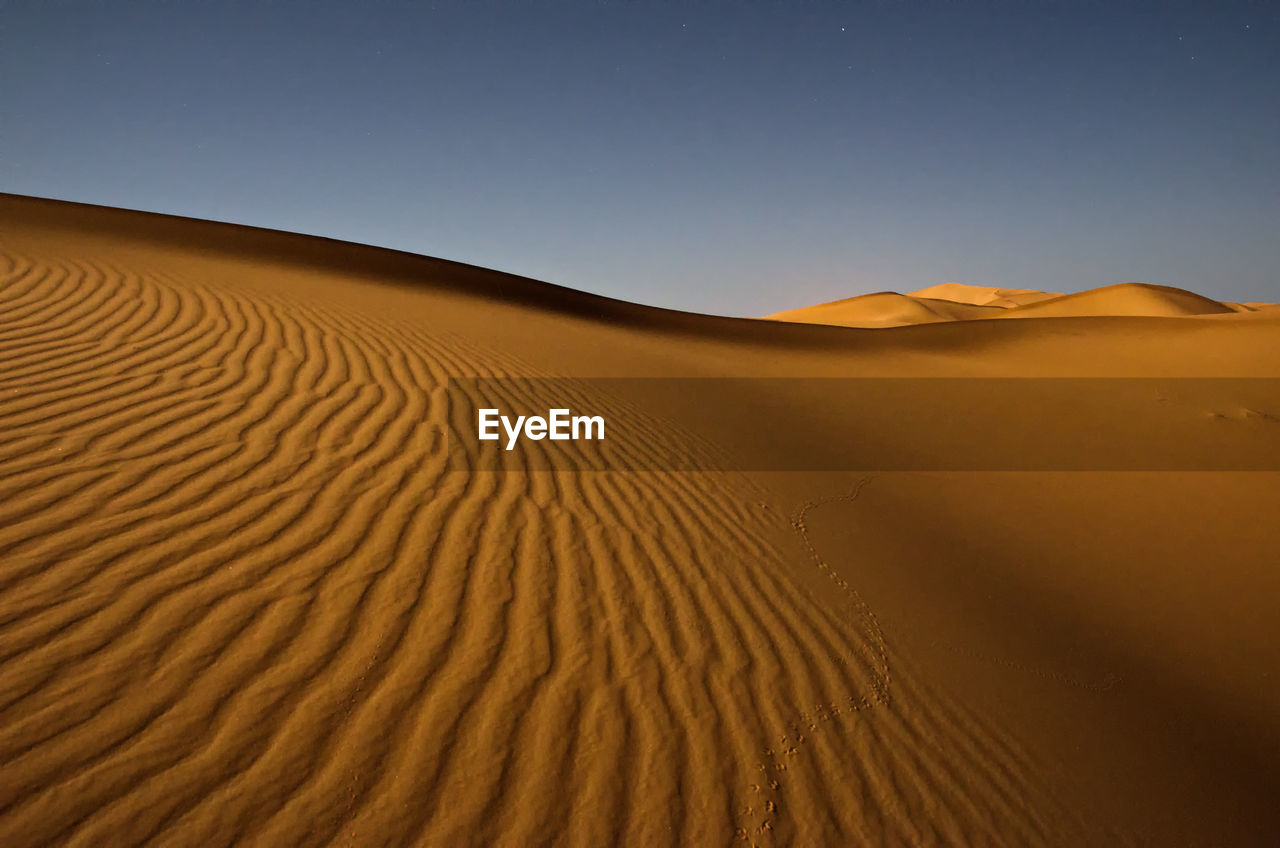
(243,602)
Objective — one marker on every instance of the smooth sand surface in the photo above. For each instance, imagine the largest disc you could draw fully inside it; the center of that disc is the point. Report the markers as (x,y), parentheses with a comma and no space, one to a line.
(243,601)
(888,309)
(983,295)
(957,302)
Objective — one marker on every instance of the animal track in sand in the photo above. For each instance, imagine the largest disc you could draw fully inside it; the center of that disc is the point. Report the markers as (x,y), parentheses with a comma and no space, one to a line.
(353,702)
(1244,413)
(759,817)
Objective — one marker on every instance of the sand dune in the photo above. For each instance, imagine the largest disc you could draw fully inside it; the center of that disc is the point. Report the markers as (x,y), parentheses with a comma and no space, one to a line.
(244,599)
(983,295)
(956,302)
(1124,299)
(887,309)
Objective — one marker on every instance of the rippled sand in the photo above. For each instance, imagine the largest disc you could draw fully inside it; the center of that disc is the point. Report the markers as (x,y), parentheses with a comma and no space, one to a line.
(245,601)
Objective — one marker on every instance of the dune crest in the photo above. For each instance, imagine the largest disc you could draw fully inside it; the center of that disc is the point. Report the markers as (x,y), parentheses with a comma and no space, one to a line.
(957,302)
(886,309)
(245,600)
(983,295)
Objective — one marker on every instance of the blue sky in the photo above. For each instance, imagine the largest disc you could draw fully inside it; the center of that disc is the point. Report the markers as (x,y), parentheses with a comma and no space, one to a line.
(734,158)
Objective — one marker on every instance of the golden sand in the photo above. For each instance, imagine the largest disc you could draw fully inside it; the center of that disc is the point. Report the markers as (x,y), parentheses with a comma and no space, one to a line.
(243,600)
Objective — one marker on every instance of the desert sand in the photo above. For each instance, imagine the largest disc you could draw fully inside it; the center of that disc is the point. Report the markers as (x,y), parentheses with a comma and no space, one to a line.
(959,302)
(245,600)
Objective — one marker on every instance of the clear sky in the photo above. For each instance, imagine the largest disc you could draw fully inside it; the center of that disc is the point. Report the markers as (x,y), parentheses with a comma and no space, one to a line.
(734,158)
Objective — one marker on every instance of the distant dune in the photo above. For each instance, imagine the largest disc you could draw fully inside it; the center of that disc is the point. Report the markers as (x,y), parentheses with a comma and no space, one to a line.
(245,600)
(983,295)
(888,309)
(956,302)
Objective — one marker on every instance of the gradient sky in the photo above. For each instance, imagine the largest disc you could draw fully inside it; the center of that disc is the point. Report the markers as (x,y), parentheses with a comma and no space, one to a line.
(730,158)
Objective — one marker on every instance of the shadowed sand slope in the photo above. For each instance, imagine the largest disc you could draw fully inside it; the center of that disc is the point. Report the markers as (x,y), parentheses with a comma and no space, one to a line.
(956,302)
(887,309)
(983,295)
(244,600)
